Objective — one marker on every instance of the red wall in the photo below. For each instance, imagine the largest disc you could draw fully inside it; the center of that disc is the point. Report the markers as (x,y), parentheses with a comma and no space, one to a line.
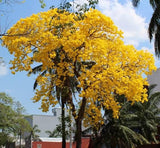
(85,144)
(150,146)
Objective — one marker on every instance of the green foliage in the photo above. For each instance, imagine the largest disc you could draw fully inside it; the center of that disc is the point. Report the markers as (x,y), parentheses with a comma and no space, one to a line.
(71,5)
(5,138)
(32,135)
(85,7)
(57,132)
(6,111)
(12,121)
(147,115)
(136,125)
(43,5)
(34,132)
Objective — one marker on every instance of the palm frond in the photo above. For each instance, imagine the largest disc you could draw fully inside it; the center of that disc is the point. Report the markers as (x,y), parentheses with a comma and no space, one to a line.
(156,112)
(125,131)
(150,126)
(154,95)
(36,82)
(131,137)
(74,84)
(154,28)
(153,23)
(143,139)
(151,88)
(36,69)
(153,101)
(157,41)
(137,106)
(35,129)
(154,3)
(135,2)
(125,107)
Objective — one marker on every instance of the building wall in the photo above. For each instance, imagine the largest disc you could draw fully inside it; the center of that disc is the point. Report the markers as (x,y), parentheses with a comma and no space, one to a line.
(48,122)
(85,144)
(155,79)
(45,122)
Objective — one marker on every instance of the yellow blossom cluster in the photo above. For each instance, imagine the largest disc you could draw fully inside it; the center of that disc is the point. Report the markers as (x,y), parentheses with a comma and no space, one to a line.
(89,49)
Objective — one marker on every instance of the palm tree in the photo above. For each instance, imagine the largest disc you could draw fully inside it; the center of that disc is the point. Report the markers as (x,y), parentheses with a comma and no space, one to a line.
(154,25)
(57,132)
(118,133)
(148,115)
(136,125)
(59,97)
(34,131)
(32,135)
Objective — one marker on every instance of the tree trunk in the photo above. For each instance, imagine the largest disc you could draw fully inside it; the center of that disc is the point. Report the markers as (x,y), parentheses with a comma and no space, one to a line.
(78,134)
(79,123)
(20,138)
(63,126)
(70,128)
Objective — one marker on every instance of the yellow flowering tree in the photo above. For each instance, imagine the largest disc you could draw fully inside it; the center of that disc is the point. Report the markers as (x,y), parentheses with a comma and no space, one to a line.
(88,50)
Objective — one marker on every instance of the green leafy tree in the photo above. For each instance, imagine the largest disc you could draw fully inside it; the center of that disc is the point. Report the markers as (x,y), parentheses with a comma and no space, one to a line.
(6,111)
(5,138)
(12,120)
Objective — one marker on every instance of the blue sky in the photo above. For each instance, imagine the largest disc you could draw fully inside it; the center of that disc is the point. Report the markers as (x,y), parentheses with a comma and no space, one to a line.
(133,22)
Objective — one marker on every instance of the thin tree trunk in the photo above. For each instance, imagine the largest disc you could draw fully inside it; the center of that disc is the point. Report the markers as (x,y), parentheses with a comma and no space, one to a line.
(63,126)
(78,134)
(20,137)
(79,123)
(70,128)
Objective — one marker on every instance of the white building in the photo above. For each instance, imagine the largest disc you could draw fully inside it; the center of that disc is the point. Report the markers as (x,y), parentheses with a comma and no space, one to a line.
(155,79)
(45,122)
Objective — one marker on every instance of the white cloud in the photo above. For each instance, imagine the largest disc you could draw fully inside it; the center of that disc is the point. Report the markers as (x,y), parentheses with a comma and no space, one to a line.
(125,17)
(3,70)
